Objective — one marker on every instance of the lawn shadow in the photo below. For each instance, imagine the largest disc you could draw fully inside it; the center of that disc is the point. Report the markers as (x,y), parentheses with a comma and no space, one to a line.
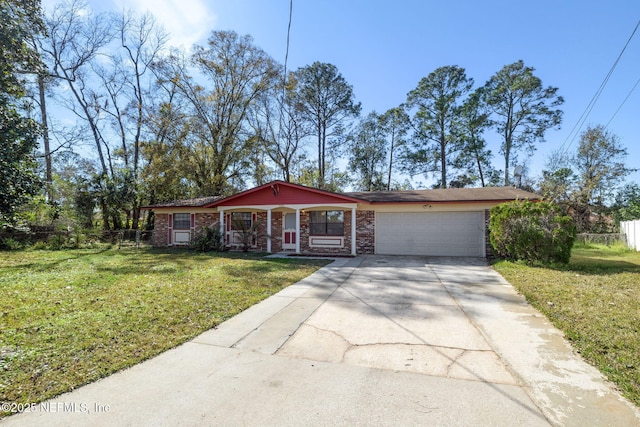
(174,260)
(40,266)
(600,264)
(269,265)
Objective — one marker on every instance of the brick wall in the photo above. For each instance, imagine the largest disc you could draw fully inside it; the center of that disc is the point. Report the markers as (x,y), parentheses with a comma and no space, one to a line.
(209,219)
(365,232)
(261,231)
(276,231)
(160,229)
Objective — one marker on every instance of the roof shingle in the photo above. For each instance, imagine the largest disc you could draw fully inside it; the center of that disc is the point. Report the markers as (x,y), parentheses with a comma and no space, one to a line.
(187,203)
(484,194)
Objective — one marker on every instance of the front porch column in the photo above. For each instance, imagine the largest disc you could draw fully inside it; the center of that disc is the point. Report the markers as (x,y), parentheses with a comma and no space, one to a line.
(297,230)
(224,238)
(269,230)
(353,231)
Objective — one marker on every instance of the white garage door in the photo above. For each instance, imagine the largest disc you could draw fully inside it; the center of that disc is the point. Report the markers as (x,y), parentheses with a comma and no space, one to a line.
(434,234)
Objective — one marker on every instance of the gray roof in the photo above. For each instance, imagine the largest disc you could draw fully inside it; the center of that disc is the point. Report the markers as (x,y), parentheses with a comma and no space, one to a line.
(187,203)
(485,194)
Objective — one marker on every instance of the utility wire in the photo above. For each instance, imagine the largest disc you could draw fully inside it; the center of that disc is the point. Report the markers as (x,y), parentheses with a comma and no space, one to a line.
(576,128)
(282,101)
(623,102)
(286,55)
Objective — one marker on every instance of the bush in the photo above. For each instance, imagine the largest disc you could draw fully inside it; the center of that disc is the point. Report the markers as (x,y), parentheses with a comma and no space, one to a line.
(531,232)
(10,244)
(209,240)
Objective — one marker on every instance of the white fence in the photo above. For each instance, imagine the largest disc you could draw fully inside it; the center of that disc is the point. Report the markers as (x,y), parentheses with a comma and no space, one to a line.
(631,230)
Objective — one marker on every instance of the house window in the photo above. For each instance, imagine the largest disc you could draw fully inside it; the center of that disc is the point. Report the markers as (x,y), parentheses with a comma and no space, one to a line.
(181,221)
(326,223)
(243,218)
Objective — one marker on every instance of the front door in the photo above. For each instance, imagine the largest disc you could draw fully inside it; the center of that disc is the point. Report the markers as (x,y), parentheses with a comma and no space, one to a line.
(289,232)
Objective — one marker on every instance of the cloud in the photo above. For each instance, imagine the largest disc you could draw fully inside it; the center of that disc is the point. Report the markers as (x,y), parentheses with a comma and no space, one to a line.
(186,21)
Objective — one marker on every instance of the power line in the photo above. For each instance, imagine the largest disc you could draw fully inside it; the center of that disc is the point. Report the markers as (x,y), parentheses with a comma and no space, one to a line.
(286,55)
(622,103)
(576,128)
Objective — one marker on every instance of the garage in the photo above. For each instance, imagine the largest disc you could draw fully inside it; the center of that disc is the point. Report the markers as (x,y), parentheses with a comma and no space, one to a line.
(431,234)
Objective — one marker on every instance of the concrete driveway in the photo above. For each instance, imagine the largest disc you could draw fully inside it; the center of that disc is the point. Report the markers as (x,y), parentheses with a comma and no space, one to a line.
(366,341)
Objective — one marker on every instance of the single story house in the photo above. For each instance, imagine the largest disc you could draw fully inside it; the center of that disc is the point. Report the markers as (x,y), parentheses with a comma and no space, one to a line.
(304,220)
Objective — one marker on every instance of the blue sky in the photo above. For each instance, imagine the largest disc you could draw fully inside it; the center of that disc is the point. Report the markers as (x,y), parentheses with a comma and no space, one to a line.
(383,48)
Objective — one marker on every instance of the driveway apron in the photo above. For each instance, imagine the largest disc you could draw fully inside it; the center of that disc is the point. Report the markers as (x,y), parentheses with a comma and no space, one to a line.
(372,340)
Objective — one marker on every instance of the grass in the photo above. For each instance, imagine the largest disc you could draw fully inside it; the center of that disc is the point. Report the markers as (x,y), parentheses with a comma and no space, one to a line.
(70,317)
(595,301)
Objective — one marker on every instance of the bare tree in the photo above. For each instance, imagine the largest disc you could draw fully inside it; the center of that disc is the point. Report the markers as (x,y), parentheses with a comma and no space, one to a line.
(217,141)
(75,39)
(280,127)
(125,80)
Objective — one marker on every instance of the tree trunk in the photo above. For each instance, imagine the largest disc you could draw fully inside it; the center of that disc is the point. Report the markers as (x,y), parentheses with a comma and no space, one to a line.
(506,168)
(443,160)
(478,162)
(45,137)
(393,137)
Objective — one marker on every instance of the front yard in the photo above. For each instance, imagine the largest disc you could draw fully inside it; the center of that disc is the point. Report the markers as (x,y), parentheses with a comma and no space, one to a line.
(595,301)
(72,317)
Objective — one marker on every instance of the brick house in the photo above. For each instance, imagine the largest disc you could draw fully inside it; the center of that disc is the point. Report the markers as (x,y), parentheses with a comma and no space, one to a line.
(298,219)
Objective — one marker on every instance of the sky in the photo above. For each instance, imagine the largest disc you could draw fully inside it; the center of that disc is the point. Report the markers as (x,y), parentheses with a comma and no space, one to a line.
(384,48)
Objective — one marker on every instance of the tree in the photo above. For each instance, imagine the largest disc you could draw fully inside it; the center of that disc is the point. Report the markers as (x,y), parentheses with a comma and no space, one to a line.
(436,121)
(475,158)
(20,22)
(600,167)
(395,123)
(108,96)
(124,81)
(327,102)
(280,126)
(75,39)
(214,141)
(558,181)
(583,183)
(627,203)
(368,153)
(521,110)
(167,117)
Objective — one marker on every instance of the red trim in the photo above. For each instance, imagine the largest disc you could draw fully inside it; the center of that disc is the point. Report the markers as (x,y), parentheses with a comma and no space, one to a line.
(279,186)
(170,229)
(193,220)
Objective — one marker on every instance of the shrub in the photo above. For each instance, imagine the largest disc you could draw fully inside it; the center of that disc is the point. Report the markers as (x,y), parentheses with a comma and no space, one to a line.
(10,244)
(209,240)
(531,232)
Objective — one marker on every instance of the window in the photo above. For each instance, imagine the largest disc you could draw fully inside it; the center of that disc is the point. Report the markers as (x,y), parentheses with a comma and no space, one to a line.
(181,221)
(241,218)
(326,223)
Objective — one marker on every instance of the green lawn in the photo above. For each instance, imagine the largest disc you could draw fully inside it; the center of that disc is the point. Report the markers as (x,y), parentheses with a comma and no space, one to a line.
(595,301)
(70,317)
